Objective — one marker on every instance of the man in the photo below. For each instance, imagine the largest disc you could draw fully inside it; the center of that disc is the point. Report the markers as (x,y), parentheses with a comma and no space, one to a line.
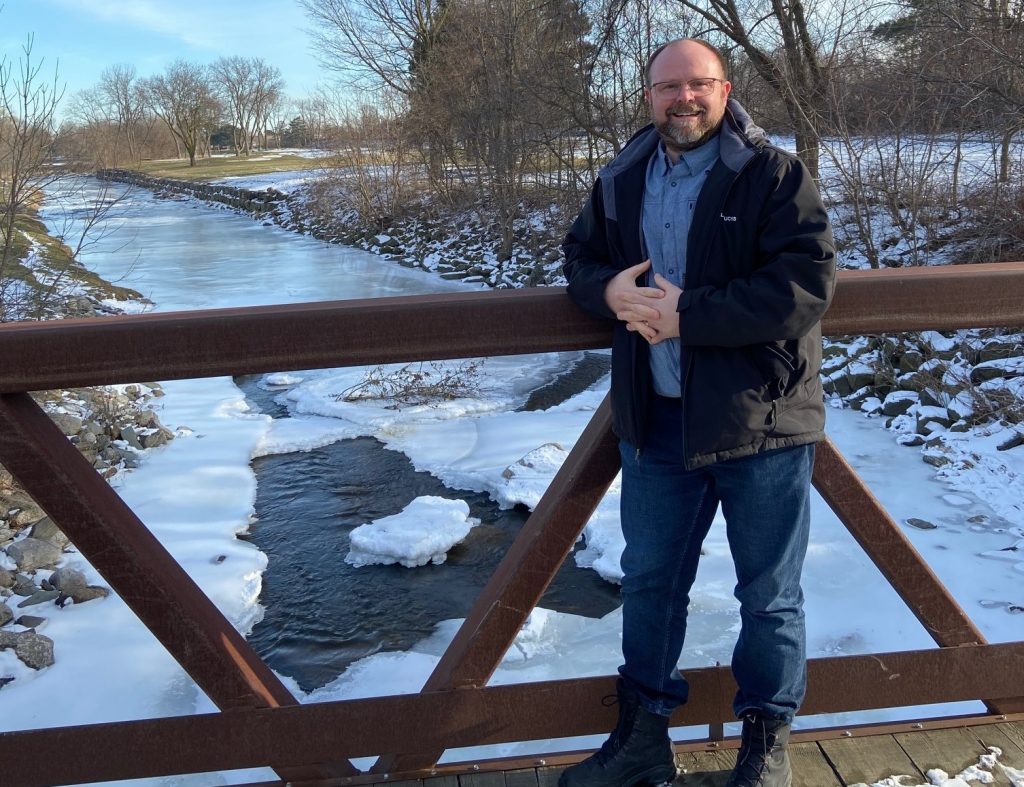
(712,251)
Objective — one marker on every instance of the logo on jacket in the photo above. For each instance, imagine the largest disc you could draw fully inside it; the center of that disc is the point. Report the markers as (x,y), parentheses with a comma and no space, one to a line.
(727,218)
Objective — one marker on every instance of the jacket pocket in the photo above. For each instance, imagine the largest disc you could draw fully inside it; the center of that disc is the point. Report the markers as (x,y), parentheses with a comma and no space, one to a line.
(776,366)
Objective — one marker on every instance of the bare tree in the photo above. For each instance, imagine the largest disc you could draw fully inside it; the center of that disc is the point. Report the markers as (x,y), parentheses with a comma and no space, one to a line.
(28,101)
(183,98)
(248,87)
(376,42)
(123,91)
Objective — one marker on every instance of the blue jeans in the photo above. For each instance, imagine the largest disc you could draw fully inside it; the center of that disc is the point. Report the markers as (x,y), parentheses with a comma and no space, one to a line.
(666,514)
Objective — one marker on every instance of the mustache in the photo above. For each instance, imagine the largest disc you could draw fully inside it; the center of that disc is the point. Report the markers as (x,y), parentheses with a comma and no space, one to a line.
(684,106)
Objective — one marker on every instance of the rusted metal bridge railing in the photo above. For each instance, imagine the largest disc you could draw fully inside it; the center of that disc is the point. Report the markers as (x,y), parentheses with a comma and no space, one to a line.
(261,724)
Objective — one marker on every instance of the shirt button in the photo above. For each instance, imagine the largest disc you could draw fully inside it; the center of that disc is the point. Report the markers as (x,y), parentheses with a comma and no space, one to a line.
(673,184)
(671,271)
(667,225)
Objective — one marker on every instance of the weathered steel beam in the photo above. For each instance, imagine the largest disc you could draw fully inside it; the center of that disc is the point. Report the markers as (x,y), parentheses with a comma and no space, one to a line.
(137,566)
(891,551)
(176,345)
(524,573)
(356,728)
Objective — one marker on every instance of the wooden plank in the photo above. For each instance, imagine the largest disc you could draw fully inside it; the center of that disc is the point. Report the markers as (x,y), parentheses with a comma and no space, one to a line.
(548,777)
(441,781)
(705,768)
(1011,751)
(810,768)
(1014,732)
(868,760)
(524,777)
(492,779)
(952,750)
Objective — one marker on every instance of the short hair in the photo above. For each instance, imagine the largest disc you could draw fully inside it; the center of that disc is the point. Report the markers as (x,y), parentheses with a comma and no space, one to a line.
(714,50)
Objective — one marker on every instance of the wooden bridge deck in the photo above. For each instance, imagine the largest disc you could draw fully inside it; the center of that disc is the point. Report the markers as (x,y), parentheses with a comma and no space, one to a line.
(828,762)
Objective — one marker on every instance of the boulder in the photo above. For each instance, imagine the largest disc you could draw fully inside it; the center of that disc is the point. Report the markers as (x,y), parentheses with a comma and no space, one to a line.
(39,597)
(46,530)
(131,436)
(34,650)
(69,424)
(32,553)
(68,579)
(30,621)
(898,402)
(8,639)
(6,578)
(5,614)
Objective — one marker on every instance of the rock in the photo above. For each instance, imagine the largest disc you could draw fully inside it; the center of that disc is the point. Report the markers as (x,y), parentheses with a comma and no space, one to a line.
(982,374)
(910,361)
(67,423)
(130,436)
(34,650)
(6,578)
(46,530)
(935,460)
(40,597)
(898,402)
(27,514)
(23,586)
(31,553)
(5,614)
(8,639)
(1013,442)
(30,621)
(68,580)
(156,438)
(921,524)
(6,534)
(89,593)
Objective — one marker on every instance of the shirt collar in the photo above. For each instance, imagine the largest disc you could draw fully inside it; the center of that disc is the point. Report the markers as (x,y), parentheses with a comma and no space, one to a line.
(691,161)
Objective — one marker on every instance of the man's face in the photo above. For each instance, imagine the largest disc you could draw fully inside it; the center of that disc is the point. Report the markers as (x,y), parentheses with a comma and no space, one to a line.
(685,120)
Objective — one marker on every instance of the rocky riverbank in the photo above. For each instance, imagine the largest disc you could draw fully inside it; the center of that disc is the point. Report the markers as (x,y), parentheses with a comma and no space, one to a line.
(112,427)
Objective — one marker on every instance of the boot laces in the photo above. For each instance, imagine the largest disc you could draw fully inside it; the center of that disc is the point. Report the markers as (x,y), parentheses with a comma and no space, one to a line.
(755,752)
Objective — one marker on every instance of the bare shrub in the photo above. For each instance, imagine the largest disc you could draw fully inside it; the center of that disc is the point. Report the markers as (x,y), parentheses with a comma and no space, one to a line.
(417,383)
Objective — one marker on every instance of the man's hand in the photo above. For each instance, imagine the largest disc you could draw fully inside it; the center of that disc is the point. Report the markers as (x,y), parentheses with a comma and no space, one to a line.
(667,325)
(650,311)
(635,306)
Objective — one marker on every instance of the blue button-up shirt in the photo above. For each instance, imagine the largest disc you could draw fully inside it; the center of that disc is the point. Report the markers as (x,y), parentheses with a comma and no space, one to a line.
(670,196)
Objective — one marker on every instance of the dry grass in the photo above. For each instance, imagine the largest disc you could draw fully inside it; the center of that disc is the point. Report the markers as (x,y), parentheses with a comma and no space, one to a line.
(226,166)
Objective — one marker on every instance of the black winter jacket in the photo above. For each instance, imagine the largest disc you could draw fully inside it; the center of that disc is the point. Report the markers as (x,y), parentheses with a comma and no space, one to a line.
(759,276)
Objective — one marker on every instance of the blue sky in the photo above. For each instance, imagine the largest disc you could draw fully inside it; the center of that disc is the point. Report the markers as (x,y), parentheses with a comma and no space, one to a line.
(82,37)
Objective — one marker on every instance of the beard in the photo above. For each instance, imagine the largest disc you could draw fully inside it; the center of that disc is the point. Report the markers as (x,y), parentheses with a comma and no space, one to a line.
(693,135)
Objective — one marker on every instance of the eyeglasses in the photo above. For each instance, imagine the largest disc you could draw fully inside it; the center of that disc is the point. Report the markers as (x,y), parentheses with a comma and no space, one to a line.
(672,88)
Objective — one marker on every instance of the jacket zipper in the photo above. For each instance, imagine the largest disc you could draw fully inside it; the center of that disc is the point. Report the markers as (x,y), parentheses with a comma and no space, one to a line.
(684,384)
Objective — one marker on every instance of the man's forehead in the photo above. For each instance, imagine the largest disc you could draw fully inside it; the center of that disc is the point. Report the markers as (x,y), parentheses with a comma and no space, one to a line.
(685,56)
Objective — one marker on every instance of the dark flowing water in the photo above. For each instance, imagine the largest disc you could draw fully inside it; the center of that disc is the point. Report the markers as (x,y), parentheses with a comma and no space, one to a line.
(321,613)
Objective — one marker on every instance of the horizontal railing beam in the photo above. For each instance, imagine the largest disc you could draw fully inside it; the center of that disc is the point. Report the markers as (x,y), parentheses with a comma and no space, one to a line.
(178,345)
(314,733)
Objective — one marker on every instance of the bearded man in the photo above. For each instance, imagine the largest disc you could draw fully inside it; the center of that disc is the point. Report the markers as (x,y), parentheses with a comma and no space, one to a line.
(712,252)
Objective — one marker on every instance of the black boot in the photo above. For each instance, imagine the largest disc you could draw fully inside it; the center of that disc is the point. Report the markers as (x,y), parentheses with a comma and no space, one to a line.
(763,760)
(638,752)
